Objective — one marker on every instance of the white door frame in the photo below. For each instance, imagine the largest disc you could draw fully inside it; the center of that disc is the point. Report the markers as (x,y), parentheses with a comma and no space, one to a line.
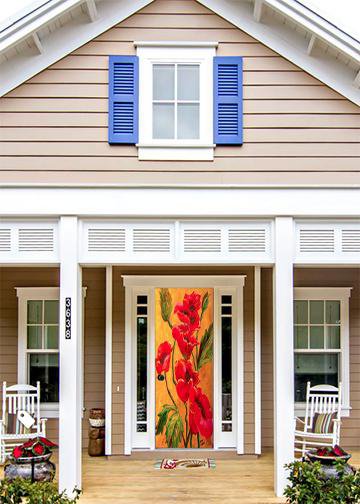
(135,285)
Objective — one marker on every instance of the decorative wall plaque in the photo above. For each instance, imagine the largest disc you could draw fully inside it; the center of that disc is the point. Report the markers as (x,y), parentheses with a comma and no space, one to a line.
(68,318)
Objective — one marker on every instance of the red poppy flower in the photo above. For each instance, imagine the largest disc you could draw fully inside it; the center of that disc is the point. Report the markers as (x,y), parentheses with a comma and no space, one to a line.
(18,452)
(162,361)
(188,311)
(38,449)
(185,339)
(200,416)
(186,379)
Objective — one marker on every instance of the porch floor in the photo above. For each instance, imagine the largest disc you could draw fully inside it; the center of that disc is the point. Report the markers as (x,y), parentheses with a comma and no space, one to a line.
(248,481)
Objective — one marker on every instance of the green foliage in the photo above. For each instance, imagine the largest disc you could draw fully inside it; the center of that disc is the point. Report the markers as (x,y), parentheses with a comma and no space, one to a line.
(206,347)
(204,304)
(174,430)
(23,491)
(308,485)
(166,305)
(163,415)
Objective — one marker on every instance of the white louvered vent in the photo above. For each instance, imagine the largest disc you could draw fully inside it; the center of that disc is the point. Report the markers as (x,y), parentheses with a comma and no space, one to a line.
(247,240)
(317,240)
(350,240)
(202,240)
(5,240)
(36,240)
(106,240)
(151,240)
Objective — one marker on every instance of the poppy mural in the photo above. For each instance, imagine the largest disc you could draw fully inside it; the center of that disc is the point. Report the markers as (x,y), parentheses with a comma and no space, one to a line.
(184,334)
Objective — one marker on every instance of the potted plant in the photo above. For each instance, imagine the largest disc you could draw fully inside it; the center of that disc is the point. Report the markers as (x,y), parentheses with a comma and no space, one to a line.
(31,461)
(20,491)
(328,457)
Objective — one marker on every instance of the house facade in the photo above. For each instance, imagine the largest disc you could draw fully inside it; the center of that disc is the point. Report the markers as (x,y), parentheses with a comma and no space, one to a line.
(151,150)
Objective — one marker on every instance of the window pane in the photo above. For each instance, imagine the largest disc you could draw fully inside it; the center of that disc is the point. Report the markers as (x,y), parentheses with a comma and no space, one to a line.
(45,369)
(333,312)
(141,300)
(52,337)
(316,337)
(226,299)
(226,368)
(188,82)
(163,120)
(226,310)
(51,312)
(301,337)
(301,312)
(316,312)
(188,120)
(333,336)
(34,337)
(316,368)
(163,82)
(141,385)
(34,312)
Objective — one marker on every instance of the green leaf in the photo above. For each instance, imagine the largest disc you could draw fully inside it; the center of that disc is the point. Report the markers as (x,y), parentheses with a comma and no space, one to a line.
(174,430)
(165,304)
(163,415)
(205,304)
(206,347)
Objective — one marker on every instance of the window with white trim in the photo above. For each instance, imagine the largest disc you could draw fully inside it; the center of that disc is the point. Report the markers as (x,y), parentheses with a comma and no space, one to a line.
(176,101)
(321,339)
(38,342)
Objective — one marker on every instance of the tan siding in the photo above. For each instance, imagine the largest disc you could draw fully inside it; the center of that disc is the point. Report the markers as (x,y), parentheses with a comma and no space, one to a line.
(94,331)
(314,277)
(119,345)
(55,126)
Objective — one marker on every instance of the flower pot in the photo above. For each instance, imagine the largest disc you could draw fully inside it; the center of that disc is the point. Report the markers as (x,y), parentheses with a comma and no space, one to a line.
(328,463)
(32,468)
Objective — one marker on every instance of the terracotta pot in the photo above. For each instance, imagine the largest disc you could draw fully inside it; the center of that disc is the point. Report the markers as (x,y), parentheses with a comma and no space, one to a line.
(31,468)
(97,413)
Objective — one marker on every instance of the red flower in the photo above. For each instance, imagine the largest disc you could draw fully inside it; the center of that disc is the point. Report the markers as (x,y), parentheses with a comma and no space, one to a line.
(185,339)
(47,442)
(38,449)
(338,452)
(186,379)
(28,444)
(188,311)
(162,361)
(200,417)
(18,452)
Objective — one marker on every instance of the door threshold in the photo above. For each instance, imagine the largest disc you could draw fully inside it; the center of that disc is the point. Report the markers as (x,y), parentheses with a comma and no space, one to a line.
(226,454)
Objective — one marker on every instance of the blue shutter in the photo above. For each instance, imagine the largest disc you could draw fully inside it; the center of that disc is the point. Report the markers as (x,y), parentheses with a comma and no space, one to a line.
(123,99)
(228,121)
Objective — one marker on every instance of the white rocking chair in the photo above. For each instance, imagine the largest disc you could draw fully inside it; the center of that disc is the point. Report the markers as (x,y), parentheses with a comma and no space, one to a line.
(20,417)
(321,426)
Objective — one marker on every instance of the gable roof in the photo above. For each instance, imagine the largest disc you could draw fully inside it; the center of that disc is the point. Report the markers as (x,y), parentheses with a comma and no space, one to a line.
(55,28)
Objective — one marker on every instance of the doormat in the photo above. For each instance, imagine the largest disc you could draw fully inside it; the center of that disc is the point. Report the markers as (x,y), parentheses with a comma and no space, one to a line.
(189,463)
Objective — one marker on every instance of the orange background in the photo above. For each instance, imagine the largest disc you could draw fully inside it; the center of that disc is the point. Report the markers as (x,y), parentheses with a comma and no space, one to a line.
(163,333)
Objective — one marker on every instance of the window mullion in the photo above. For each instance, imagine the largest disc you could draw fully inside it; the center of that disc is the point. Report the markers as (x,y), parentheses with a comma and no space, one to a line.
(176,101)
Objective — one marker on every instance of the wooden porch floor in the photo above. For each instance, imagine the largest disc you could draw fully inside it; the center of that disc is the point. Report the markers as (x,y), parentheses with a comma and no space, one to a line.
(235,480)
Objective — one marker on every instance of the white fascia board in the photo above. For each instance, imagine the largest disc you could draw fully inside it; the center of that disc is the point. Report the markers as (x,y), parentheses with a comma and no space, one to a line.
(327,69)
(66,39)
(200,202)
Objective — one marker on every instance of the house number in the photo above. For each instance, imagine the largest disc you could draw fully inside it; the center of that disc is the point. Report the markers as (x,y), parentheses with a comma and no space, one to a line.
(67,318)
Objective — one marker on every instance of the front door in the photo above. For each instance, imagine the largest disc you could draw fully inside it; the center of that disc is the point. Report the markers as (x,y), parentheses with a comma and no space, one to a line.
(184,352)
(184,349)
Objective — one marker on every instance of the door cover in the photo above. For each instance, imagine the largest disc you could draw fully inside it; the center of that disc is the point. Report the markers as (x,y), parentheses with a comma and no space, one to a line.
(184,334)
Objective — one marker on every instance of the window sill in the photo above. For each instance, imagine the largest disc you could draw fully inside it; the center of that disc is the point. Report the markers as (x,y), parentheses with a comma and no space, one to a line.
(300,410)
(182,152)
(50,410)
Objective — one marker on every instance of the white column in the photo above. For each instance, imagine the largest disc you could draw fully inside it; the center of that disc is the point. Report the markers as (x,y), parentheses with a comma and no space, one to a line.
(283,350)
(70,357)
(108,360)
(257,357)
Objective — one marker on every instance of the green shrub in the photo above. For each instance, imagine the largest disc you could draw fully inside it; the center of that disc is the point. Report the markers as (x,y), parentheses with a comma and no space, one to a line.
(308,485)
(23,491)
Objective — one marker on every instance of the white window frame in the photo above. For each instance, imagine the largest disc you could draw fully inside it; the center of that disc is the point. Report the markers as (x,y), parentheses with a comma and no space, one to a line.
(145,285)
(192,53)
(25,294)
(341,294)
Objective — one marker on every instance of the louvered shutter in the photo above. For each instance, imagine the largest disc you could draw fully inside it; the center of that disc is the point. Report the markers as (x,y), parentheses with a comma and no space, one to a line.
(123,99)
(228,121)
